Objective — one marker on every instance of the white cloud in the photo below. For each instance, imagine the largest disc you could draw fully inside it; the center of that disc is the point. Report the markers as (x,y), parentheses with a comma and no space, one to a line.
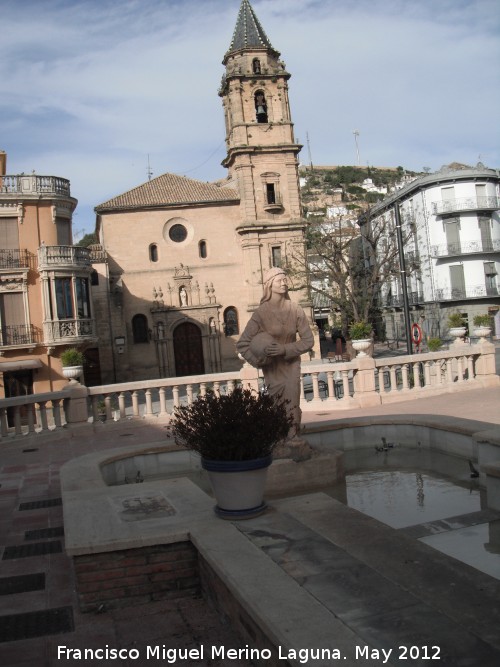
(88,89)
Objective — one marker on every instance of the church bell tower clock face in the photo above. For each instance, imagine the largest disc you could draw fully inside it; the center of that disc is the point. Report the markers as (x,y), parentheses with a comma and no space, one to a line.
(261,148)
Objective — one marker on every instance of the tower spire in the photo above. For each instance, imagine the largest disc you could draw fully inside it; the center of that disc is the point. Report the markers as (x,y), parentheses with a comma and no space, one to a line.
(248,33)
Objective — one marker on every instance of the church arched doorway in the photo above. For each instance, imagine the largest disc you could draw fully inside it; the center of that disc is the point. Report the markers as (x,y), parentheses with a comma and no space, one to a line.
(188,350)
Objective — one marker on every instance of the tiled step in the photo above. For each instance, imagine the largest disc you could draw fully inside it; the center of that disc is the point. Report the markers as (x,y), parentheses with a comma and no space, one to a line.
(23,583)
(40,504)
(35,549)
(15,627)
(55,531)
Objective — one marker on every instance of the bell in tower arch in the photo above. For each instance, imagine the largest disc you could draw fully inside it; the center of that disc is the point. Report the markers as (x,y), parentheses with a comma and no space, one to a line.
(260,107)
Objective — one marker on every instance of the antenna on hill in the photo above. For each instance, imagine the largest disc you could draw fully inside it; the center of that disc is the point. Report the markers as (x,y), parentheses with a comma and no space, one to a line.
(150,173)
(309,151)
(356,135)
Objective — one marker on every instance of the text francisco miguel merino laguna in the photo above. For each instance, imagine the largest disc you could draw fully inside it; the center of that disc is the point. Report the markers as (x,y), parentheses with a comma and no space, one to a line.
(173,656)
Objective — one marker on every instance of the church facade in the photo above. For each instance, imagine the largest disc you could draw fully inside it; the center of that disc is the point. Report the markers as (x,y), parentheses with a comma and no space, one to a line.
(180,263)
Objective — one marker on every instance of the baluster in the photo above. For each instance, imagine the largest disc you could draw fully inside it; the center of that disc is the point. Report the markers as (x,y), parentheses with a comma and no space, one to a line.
(56,413)
(230,386)
(94,406)
(163,401)
(217,388)
(449,371)
(17,420)
(135,403)
(470,366)
(345,385)
(121,404)
(315,384)
(189,392)
(203,388)
(149,402)
(416,375)
(107,403)
(4,426)
(302,392)
(43,415)
(443,371)
(427,373)
(404,375)
(175,392)
(31,418)
(460,369)
(331,386)
(393,378)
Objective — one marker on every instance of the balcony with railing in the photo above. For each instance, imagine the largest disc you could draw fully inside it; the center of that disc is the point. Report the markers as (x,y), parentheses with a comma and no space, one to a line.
(32,184)
(483,203)
(396,301)
(14,258)
(465,248)
(273,202)
(69,331)
(18,335)
(468,292)
(63,256)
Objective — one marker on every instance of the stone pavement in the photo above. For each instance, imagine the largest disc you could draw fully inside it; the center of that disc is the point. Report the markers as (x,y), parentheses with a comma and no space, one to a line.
(39,609)
(386,589)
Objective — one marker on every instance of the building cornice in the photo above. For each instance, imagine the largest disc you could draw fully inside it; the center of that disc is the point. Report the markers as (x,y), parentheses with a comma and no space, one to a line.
(428,181)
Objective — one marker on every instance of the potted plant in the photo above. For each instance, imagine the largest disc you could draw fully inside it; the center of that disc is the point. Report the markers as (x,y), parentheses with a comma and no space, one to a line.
(235,435)
(105,405)
(456,325)
(101,410)
(434,344)
(483,326)
(360,333)
(72,363)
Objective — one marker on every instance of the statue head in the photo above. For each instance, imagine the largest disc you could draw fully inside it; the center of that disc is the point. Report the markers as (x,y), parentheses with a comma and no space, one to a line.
(269,277)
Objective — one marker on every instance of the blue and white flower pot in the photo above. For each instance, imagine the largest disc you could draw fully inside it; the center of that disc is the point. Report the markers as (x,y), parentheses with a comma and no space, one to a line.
(238,486)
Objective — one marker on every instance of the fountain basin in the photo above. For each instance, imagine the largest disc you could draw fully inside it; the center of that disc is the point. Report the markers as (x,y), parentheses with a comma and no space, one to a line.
(109,521)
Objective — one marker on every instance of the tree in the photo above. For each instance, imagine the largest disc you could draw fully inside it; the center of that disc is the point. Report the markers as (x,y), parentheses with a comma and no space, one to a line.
(342,264)
(87,240)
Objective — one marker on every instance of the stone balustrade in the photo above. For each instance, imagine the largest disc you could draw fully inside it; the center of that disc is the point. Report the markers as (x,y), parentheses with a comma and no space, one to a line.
(359,383)
(33,413)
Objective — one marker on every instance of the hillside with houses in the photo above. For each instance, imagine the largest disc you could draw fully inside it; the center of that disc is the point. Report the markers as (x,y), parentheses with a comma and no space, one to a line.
(333,191)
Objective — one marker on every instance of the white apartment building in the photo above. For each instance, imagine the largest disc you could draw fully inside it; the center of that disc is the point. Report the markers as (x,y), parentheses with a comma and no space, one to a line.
(450,222)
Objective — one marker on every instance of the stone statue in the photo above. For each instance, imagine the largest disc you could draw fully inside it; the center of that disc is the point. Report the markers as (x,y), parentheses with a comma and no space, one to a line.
(183,295)
(270,341)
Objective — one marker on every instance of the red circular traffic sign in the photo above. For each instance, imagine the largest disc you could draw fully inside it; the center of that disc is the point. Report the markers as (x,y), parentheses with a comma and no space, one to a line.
(416,333)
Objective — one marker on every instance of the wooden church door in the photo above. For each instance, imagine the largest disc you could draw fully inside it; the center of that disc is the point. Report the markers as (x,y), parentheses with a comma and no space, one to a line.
(188,350)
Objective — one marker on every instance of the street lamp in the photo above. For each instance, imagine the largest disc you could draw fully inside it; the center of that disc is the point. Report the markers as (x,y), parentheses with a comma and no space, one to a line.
(356,135)
(404,286)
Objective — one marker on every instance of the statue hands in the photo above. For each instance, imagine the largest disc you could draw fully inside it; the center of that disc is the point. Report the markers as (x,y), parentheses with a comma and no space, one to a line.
(275,350)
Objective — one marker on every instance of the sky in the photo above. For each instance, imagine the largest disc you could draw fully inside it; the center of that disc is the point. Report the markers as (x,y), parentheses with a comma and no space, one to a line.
(105,92)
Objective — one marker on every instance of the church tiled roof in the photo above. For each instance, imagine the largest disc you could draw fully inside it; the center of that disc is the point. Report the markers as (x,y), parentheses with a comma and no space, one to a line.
(169,190)
(248,32)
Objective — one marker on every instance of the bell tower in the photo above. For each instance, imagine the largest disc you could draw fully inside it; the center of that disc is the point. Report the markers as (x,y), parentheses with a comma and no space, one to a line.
(261,152)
